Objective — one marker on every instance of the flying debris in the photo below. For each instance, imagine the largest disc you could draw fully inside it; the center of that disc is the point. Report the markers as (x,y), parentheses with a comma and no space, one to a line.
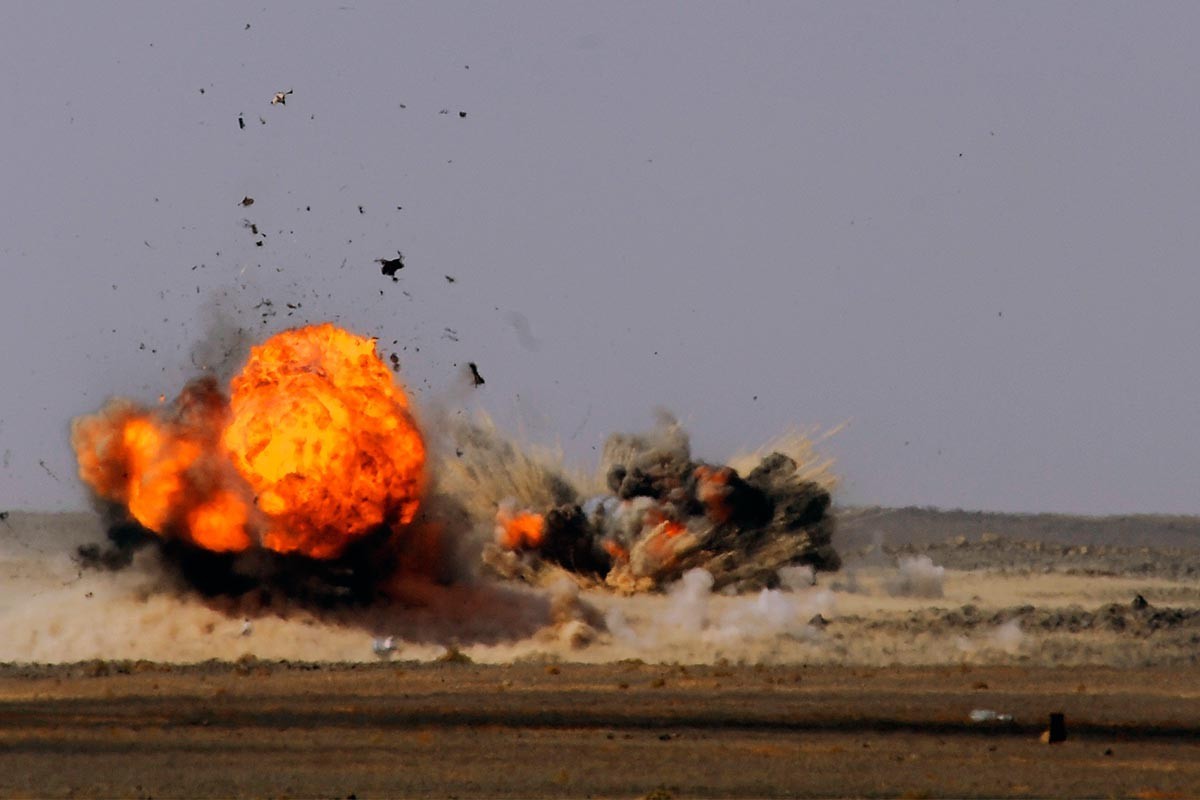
(241,122)
(390,266)
(395,359)
(451,279)
(280,98)
(476,378)
(50,472)
(247,200)
(462,115)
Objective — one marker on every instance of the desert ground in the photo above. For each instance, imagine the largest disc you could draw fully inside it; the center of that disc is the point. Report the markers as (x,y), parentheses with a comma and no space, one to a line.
(856,683)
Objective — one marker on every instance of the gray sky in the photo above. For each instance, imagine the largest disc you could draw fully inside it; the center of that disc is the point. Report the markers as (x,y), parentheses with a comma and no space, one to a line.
(970,230)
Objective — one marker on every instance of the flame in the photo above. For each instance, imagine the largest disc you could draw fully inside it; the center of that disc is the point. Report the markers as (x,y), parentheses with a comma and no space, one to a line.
(314,448)
(324,438)
(521,530)
(713,491)
(220,523)
(616,551)
(660,530)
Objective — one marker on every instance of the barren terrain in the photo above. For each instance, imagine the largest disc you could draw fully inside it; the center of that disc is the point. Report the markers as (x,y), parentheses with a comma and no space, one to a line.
(128,684)
(614,730)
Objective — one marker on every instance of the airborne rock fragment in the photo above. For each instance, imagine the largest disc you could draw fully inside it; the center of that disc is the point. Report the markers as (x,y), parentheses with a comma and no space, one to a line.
(476,378)
(390,266)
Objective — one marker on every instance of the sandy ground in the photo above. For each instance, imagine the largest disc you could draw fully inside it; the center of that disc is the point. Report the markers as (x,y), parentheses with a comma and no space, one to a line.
(988,601)
(615,730)
(128,684)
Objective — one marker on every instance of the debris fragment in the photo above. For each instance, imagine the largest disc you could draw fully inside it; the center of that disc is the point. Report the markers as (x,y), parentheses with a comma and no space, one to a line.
(476,378)
(462,115)
(987,715)
(390,266)
(383,646)
(247,200)
(280,98)
(241,122)
(395,359)
(450,279)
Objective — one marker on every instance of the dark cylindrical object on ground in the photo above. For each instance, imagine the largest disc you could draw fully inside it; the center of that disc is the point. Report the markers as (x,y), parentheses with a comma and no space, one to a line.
(1058,727)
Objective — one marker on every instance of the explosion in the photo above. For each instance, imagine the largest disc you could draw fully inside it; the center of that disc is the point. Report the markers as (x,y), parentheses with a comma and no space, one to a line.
(314,449)
(313,460)
(663,514)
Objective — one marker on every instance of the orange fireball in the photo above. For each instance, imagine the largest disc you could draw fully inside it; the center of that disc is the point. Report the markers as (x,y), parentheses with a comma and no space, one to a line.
(324,438)
(315,448)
